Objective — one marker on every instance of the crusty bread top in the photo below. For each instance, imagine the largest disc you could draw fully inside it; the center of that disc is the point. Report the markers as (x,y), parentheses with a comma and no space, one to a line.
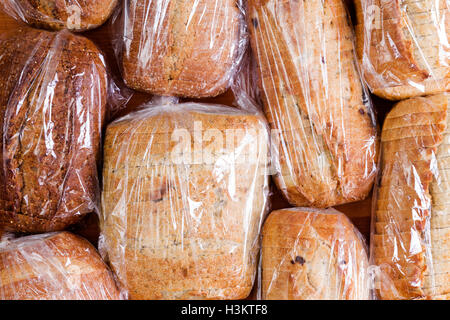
(53,94)
(51,266)
(79,15)
(181,47)
(314,97)
(319,252)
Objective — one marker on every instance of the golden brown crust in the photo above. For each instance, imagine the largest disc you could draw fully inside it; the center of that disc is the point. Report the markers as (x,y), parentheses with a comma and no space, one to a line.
(44,79)
(188,48)
(59,266)
(313,95)
(403,46)
(183,231)
(80,15)
(414,140)
(313,254)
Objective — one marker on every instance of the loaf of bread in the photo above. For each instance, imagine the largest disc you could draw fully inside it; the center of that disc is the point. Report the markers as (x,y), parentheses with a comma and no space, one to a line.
(325,151)
(313,254)
(184,194)
(54,266)
(78,15)
(411,240)
(403,46)
(53,92)
(181,47)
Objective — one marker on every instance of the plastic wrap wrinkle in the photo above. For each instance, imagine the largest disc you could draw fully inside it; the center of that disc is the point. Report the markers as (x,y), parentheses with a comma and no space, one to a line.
(411,234)
(53,95)
(320,112)
(75,15)
(403,46)
(312,254)
(181,47)
(54,266)
(184,194)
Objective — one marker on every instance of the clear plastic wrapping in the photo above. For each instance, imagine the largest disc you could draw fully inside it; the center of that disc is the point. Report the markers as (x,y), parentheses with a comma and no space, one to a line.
(54,266)
(53,101)
(403,46)
(75,15)
(313,254)
(185,189)
(411,220)
(324,135)
(180,47)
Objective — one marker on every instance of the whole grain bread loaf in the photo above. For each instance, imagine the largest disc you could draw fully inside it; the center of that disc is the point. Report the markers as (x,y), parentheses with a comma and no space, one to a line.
(403,46)
(325,146)
(312,254)
(181,47)
(54,266)
(411,239)
(184,194)
(53,92)
(79,15)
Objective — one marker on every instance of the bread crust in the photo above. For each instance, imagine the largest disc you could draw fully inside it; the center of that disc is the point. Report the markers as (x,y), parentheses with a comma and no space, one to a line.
(56,266)
(53,92)
(313,254)
(183,231)
(325,151)
(80,15)
(181,47)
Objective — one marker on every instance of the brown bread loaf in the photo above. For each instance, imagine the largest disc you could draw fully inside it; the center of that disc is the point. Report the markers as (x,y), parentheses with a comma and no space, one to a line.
(54,266)
(403,46)
(411,240)
(53,92)
(79,15)
(184,230)
(312,254)
(312,92)
(181,47)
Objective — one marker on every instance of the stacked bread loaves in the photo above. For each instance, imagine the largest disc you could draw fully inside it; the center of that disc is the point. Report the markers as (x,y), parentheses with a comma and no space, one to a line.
(54,266)
(403,46)
(412,221)
(184,194)
(312,254)
(181,47)
(312,93)
(79,15)
(53,92)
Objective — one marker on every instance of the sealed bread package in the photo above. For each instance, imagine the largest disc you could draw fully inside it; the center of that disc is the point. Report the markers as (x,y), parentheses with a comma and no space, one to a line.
(411,220)
(403,46)
(53,95)
(313,254)
(181,47)
(185,189)
(54,266)
(324,129)
(78,15)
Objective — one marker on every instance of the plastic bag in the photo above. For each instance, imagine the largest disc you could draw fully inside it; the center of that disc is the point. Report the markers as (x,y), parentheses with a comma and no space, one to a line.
(54,266)
(184,195)
(53,100)
(411,220)
(75,15)
(180,48)
(323,127)
(403,46)
(312,254)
